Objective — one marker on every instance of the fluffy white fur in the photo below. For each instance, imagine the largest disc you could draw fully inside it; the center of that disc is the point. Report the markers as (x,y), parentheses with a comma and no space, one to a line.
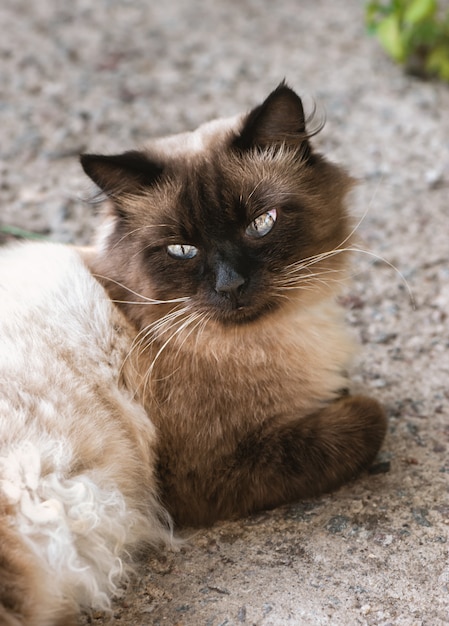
(76,451)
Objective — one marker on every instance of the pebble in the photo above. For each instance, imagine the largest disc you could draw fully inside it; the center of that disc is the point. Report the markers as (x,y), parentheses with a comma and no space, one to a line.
(337,524)
(380,468)
(434,178)
(420,516)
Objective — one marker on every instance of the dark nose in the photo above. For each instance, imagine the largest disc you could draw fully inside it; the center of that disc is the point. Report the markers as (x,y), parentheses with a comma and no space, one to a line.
(227,280)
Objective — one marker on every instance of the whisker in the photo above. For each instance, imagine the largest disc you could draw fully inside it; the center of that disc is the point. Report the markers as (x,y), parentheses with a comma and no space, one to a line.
(193,317)
(144,344)
(392,266)
(151,301)
(142,336)
(299,286)
(202,320)
(158,326)
(136,230)
(139,295)
(206,318)
(253,191)
(310,287)
(278,293)
(294,276)
(364,214)
(165,327)
(313,260)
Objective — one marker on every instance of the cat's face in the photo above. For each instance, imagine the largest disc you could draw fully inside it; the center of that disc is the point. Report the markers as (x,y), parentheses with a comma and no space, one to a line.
(231,217)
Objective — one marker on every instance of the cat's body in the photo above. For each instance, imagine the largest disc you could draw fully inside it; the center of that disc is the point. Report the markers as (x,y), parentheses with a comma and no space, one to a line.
(229,407)
(77,484)
(225,248)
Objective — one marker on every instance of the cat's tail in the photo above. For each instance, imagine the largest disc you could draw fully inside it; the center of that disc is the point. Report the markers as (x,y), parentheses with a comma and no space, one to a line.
(64,542)
(27,592)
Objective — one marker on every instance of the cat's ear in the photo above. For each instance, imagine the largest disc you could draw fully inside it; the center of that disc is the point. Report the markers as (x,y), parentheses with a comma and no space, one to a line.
(278,120)
(121,173)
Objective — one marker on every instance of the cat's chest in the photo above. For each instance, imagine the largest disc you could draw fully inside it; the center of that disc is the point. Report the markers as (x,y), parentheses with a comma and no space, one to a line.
(220,383)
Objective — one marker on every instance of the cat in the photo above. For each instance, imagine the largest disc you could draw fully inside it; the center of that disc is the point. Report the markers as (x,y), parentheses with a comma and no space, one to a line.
(225,248)
(212,351)
(78,490)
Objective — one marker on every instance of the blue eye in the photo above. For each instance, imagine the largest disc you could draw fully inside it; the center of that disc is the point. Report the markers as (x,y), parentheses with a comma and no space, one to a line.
(262,225)
(182,251)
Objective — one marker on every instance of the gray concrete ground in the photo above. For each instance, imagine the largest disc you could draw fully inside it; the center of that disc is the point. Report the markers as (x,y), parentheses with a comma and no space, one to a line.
(109,74)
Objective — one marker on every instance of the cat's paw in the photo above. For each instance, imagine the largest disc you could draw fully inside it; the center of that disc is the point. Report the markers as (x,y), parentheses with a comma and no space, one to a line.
(346,438)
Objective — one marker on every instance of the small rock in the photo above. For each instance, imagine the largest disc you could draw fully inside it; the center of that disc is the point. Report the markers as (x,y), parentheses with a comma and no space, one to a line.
(267,608)
(419,515)
(384,338)
(241,615)
(383,467)
(434,178)
(337,524)
(218,589)
(379,383)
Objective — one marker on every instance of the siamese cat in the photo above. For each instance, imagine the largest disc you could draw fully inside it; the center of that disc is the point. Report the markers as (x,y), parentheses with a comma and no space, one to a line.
(225,249)
(197,368)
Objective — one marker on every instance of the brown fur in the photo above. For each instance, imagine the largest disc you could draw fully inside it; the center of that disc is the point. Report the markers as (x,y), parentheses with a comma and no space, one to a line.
(244,383)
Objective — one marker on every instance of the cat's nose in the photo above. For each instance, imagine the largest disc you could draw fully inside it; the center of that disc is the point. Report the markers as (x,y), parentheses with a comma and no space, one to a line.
(227,280)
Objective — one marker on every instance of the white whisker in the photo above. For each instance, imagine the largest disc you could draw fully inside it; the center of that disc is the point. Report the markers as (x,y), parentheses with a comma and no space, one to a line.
(295,270)
(192,317)
(253,191)
(136,230)
(203,321)
(139,295)
(141,339)
(392,266)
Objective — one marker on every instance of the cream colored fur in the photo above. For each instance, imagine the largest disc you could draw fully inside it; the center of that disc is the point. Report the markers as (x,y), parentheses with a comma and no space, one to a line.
(77,488)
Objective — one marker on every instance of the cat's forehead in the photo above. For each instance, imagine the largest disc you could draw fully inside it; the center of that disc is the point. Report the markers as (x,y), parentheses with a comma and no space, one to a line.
(197,142)
(205,178)
(206,157)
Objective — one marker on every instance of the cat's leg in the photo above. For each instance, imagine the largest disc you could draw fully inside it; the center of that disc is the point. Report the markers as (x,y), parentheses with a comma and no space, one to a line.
(286,460)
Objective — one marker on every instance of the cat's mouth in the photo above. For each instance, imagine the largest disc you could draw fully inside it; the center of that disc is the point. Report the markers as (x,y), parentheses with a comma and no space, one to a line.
(238,313)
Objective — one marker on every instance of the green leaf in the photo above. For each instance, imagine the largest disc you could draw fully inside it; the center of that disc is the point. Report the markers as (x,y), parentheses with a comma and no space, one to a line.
(20,232)
(376,12)
(389,33)
(371,9)
(438,62)
(420,10)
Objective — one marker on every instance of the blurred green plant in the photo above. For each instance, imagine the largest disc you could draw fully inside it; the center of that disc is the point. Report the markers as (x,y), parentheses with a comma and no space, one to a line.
(19,233)
(414,33)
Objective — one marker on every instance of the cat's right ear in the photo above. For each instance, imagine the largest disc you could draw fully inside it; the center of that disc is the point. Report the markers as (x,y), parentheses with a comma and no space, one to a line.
(130,172)
(279,120)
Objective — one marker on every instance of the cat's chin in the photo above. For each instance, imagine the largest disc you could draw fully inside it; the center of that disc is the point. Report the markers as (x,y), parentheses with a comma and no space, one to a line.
(243,315)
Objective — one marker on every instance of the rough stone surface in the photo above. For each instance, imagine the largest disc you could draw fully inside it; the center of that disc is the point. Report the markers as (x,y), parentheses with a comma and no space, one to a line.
(108,75)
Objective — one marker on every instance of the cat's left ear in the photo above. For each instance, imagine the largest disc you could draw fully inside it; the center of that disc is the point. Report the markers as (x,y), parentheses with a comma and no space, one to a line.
(121,173)
(278,120)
